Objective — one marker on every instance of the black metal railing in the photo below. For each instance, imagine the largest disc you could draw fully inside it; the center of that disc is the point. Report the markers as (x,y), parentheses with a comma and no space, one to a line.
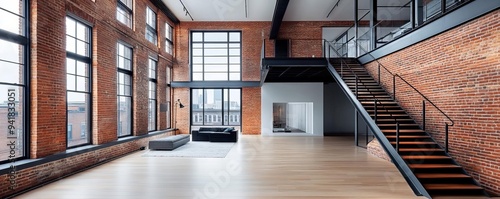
(407,173)
(394,76)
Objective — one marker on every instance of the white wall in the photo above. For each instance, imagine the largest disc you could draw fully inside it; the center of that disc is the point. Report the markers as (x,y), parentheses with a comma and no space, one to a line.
(292,92)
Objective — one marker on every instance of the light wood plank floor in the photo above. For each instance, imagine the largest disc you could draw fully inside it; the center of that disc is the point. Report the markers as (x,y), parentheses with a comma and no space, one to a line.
(256,167)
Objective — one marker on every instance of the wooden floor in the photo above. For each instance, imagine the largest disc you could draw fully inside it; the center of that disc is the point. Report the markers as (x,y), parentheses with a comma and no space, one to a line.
(256,167)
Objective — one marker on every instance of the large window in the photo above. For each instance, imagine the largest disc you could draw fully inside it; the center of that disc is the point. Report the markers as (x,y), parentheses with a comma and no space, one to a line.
(124,12)
(151,25)
(169,39)
(169,89)
(216,107)
(152,95)
(13,80)
(78,80)
(216,56)
(124,90)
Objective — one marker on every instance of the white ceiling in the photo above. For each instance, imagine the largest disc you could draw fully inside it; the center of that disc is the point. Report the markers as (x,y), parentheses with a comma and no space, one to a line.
(263,10)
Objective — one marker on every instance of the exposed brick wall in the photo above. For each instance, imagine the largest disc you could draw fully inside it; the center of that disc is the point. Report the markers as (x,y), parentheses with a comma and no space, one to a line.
(251,110)
(48,102)
(459,71)
(33,176)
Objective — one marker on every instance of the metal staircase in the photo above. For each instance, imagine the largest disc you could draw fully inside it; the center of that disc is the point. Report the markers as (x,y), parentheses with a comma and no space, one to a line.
(433,167)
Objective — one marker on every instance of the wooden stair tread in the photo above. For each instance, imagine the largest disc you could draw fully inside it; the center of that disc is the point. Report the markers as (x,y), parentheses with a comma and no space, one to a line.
(452,186)
(404,142)
(441,175)
(433,166)
(420,149)
(399,125)
(425,157)
(410,136)
(403,131)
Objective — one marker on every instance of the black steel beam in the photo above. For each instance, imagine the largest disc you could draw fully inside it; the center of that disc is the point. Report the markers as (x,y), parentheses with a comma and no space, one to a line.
(311,62)
(215,84)
(159,4)
(279,13)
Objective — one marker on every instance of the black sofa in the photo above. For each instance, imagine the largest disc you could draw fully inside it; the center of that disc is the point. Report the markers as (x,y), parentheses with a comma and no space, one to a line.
(215,134)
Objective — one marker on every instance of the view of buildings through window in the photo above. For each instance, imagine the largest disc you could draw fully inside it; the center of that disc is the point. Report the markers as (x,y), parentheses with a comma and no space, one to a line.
(216,107)
(124,90)
(14,66)
(78,77)
(152,95)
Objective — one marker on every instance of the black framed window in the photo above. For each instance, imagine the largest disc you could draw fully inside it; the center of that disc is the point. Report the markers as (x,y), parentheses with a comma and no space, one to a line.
(169,97)
(216,107)
(14,95)
(124,12)
(152,113)
(78,81)
(169,44)
(124,90)
(216,56)
(151,25)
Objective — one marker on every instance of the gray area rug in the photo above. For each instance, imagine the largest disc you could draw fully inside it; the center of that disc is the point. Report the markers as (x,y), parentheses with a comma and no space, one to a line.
(195,150)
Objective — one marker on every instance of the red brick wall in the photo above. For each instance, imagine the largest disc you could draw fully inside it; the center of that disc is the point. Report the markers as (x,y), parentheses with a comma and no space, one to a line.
(459,71)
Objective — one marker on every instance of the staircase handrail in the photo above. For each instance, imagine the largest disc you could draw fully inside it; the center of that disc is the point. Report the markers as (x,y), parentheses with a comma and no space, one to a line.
(406,82)
(403,168)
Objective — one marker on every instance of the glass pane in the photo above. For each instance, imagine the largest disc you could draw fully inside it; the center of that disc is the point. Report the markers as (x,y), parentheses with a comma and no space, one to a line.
(82,68)
(197,76)
(124,116)
(215,46)
(70,82)
(197,52)
(78,110)
(13,6)
(11,73)
(11,52)
(70,27)
(226,107)
(82,48)
(197,107)
(12,120)
(197,36)
(216,60)
(70,66)
(128,90)
(213,106)
(197,45)
(215,36)
(216,68)
(70,44)
(11,22)
(235,60)
(234,68)
(215,52)
(82,32)
(234,52)
(216,77)
(197,60)
(81,84)
(234,77)
(152,115)
(234,36)
(197,68)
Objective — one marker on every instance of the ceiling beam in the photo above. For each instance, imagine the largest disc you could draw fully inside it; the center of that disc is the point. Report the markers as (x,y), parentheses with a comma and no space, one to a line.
(279,13)
(159,4)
